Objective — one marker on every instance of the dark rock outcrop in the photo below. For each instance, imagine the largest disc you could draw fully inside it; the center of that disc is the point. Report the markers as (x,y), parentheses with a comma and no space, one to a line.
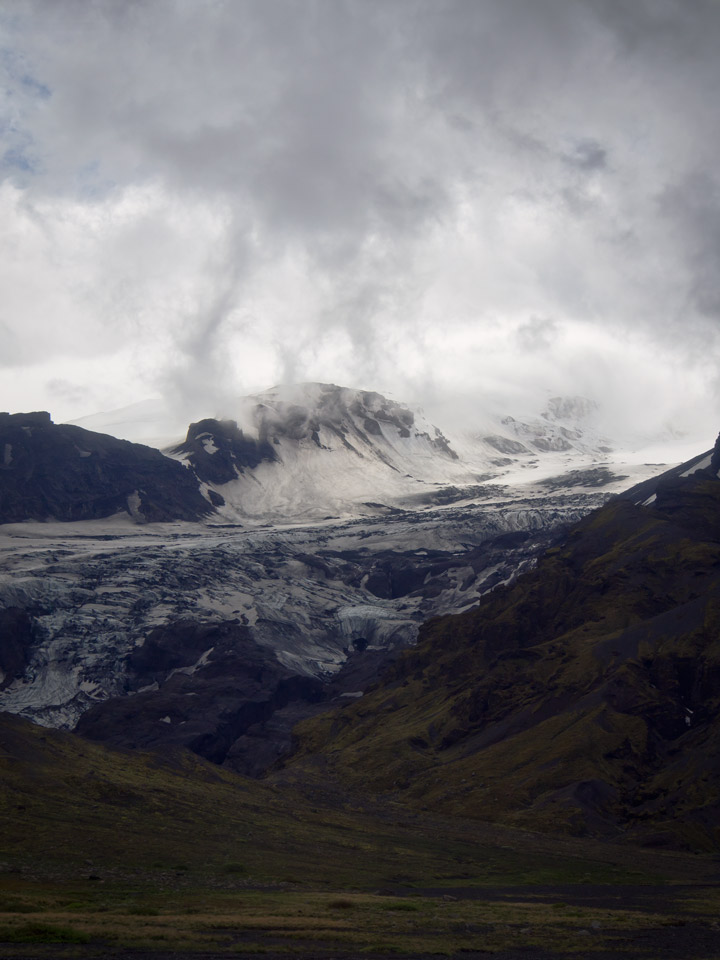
(62,472)
(685,478)
(17,634)
(219,451)
(199,686)
(715,460)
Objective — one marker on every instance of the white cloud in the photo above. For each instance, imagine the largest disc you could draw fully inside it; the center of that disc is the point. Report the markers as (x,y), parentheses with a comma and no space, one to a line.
(203,197)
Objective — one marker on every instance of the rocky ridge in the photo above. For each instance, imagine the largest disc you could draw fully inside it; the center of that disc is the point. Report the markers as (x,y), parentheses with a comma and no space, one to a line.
(61,472)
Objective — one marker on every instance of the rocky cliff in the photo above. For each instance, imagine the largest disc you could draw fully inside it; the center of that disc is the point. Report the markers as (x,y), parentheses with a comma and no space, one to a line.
(54,471)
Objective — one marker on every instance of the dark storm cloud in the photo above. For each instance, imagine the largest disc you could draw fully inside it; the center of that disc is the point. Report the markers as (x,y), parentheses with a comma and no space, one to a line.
(334,185)
(692,210)
(587,155)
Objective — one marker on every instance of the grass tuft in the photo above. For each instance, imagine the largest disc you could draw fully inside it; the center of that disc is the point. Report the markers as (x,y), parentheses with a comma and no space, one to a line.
(341,903)
(41,933)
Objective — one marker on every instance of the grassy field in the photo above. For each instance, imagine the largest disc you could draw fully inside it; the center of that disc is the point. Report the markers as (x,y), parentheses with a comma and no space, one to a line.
(82,918)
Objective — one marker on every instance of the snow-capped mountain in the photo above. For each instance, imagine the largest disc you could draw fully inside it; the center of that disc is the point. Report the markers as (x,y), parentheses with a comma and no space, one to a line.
(316,450)
(328,524)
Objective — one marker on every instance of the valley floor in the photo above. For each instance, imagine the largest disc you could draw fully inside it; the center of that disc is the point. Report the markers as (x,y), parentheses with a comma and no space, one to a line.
(123,854)
(545,922)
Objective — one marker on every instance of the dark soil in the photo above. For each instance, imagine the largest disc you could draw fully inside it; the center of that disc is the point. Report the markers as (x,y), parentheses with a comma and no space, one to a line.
(644,898)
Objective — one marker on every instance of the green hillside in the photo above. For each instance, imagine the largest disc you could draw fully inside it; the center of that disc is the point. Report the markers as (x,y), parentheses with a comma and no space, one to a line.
(123,854)
(583,699)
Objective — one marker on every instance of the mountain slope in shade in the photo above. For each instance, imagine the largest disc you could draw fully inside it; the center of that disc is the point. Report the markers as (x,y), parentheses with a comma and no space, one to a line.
(585,697)
(62,472)
(646,492)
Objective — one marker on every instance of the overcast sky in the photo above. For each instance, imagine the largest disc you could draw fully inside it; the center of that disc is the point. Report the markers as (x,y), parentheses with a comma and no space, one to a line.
(459,202)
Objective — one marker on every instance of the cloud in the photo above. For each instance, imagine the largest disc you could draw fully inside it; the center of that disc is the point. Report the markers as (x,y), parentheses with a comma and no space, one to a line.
(538,333)
(228,193)
(587,155)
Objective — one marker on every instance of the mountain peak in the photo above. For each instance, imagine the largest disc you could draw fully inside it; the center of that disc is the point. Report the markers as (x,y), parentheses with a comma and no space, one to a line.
(313,449)
(715,460)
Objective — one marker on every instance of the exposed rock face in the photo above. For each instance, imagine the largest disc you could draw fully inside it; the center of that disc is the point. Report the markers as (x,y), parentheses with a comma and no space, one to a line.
(565,408)
(352,415)
(219,451)
(197,685)
(585,697)
(506,445)
(16,639)
(593,477)
(715,460)
(62,472)
(567,424)
(210,688)
(316,450)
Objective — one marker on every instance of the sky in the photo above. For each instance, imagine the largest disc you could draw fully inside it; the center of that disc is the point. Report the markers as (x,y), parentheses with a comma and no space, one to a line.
(461,203)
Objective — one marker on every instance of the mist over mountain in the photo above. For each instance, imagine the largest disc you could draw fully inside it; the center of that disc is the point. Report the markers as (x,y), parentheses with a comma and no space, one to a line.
(314,450)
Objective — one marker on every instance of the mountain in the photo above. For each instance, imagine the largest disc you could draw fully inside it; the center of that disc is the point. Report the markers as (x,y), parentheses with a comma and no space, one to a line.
(301,453)
(584,698)
(579,696)
(317,449)
(62,472)
(311,450)
(327,525)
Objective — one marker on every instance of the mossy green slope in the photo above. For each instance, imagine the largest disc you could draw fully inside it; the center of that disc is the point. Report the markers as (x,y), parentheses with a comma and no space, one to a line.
(73,810)
(583,698)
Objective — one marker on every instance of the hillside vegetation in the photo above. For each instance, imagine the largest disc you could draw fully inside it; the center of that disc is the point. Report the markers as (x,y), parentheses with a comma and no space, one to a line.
(584,698)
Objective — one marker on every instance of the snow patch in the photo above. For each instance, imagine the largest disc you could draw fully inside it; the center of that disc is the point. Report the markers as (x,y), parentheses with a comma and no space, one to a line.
(701,465)
(92,689)
(7,455)
(208,444)
(189,671)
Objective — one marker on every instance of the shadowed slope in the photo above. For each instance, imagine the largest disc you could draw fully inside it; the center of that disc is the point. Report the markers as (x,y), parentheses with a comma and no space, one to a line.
(583,698)
(62,472)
